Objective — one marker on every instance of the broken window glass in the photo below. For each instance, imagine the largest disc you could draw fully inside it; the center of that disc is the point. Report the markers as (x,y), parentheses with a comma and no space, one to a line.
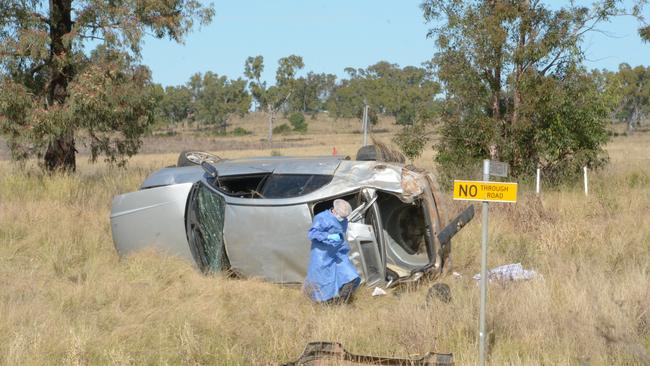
(205,219)
(242,186)
(293,185)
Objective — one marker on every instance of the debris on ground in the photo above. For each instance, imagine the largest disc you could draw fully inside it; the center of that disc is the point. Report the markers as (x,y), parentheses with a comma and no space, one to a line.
(509,272)
(378,291)
(327,353)
(439,291)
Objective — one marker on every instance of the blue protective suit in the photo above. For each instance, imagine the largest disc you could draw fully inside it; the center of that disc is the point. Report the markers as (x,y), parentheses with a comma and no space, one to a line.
(329,265)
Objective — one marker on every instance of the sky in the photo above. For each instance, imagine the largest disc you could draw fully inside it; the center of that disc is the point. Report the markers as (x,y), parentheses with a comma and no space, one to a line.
(335,34)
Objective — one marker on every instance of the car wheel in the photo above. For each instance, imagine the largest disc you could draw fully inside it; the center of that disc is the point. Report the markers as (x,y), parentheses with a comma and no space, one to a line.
(440,292)
(368,153)
(188,158)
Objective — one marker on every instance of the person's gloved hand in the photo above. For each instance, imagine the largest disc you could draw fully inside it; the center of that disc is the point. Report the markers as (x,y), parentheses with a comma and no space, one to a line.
(335,238)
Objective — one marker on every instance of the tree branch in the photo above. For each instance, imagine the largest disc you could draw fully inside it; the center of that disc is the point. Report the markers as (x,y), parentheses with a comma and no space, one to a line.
(40,17)
(85,36)
(552,63)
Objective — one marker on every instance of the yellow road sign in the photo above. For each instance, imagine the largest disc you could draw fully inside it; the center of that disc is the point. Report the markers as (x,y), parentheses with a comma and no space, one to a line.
(467,190)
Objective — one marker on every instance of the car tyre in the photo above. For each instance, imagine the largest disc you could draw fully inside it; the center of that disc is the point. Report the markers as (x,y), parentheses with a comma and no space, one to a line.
(368,153)
(191,157)
(440,292)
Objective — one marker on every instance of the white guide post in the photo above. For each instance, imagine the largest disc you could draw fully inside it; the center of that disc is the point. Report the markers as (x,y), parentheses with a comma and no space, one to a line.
(586,179)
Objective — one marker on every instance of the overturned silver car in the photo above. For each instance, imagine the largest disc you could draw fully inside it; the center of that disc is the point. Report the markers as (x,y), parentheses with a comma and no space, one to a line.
(251,216)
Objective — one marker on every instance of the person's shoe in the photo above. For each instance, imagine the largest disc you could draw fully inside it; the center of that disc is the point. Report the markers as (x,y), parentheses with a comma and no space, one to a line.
(346,292)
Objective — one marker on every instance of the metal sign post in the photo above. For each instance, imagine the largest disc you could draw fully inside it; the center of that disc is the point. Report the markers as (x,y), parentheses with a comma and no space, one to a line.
(486,192)
(484,250)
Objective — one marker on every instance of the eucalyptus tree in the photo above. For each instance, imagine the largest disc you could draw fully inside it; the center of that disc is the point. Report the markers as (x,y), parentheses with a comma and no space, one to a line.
(275,97)
(73,65)
(632,86)
(514,88)
(406,93)
(217,98)
(176,104)
(312,92)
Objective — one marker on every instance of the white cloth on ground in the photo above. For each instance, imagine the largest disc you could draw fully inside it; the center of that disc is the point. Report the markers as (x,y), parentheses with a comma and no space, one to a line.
(508,272)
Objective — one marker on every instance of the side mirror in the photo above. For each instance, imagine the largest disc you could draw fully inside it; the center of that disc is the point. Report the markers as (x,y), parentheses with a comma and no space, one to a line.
(209,169)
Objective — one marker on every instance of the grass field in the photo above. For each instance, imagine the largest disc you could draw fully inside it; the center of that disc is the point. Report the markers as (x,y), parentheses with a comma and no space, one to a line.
(67,298)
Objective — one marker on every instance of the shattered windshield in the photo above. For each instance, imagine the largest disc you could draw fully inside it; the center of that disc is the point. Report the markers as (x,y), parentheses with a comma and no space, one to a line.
(242,186)
(290,185)
(271,185)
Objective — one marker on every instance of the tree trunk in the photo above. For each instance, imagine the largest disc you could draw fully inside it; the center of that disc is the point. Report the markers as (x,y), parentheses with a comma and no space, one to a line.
(496,112)
(516,103)
(519,70)
(496,109)
(633,119)
(496,87)
(271,117)
(60,154)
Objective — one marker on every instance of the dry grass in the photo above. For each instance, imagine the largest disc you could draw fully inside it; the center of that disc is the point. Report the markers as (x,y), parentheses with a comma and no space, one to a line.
(66,298)
(324,133)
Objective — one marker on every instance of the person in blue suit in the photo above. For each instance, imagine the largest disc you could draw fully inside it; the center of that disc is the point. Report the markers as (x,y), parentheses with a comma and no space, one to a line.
(331,276)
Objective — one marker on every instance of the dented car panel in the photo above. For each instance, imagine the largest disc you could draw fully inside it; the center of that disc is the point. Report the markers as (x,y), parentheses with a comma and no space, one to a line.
(266,206)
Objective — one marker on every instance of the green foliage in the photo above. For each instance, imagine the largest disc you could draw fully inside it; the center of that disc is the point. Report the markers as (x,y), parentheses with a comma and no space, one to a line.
(253,68)
(563,128)
(282,129)
(412,140)
(298,123)
(276,96)
(348,100)
(287,69)
(644,33)
(638,179)
(16,106)
(51,89)
(176,104)
(216,98)
(628,92)
(108,94)
(240,131)
(405,93)
(311,93)
(513,88)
